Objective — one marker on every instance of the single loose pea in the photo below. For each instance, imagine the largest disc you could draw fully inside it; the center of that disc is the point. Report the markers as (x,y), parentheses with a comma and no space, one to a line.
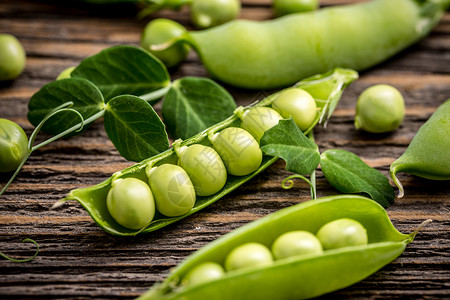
(205,168)
(258,120)
(130,202)
(238,149)
(209,13)
(285,7)
(294,243)
(12,57)
(248,255)
(380,108)
(65,73)
(204,272)
(298,104)
(342,233)
(160,31)
(13,145)
(172,188)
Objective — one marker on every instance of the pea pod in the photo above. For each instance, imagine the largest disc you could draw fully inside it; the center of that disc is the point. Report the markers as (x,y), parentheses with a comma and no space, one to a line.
(276,53)
(297,277)
(93,198)
(428,154)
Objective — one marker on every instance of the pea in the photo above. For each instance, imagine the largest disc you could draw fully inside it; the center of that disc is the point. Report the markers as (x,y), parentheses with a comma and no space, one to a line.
(258,120)
(285,7)
(342,233)
(159,31)
(65,73)
(130,202)
(298,104)
(248,255)
(294,243)
(172,188)
(380,108)
(204,272)
(238,149)
(12,57)
(209,13)
(205,168)
(13,145)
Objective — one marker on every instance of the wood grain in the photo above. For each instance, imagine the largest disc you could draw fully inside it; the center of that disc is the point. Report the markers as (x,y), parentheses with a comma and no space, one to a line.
(80,261)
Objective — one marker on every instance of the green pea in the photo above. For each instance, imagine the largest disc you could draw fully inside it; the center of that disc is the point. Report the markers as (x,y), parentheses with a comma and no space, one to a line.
(209,13)
(294,243)
(12,57)
(298,104)
(247,256)
(258,120)
(205,168)
(380,108)
(65,73)
(172,188)
(13,145)
(238,149)
(204,272)
(130,202)
(342,233)
(285,7)
(160,31)
(428,154)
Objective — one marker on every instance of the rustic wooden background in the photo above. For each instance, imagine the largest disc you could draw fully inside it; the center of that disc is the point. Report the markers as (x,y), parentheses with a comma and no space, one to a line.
(80,261)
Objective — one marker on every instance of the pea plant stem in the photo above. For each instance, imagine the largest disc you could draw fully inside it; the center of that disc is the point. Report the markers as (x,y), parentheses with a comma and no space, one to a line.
(156,94)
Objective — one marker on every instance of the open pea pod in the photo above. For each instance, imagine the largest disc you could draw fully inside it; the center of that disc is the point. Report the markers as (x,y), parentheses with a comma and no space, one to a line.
(298,277)
(93,199)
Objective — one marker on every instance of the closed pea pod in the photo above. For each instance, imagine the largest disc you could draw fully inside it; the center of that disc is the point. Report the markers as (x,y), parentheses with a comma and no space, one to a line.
(285,7)
(318,274)
(172,188)
(428,154)
(276,53)
(238,149)
(209,13)
(205,168)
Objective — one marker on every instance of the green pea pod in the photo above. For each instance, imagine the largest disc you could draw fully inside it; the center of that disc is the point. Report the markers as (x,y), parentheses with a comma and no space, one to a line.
(93,199)
(428,154)
(298,277)
(276,53)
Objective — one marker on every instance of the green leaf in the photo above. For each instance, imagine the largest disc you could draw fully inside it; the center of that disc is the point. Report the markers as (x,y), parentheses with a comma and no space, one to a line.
(287,141)
(123,70)
(85,96)
(349,174)
(134,128)
(194,104)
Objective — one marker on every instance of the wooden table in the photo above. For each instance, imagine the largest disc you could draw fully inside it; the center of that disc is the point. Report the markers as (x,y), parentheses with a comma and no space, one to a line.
(80,261)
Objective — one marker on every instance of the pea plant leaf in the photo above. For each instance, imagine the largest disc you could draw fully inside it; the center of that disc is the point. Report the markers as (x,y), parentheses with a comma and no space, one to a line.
(287,141)
(123,70)
(134,128)
(194,104)
(327,89)
(85,96)
(347,173)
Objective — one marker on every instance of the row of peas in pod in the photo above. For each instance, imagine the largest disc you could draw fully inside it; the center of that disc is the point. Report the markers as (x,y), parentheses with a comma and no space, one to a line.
(202,170)
(340,233)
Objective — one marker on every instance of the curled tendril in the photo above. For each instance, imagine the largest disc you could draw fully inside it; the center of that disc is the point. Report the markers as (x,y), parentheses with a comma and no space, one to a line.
(26,259)
(288,183)
(31,148)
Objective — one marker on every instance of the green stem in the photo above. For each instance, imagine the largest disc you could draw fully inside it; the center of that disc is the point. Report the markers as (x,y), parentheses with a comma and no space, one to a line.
(312,177)
(23,260)
(156,94)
